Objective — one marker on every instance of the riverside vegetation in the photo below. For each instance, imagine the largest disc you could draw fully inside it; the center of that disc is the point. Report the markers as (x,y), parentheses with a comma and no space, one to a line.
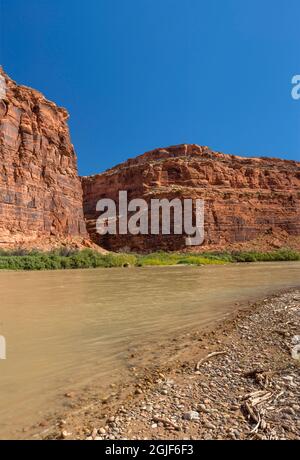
(74,259)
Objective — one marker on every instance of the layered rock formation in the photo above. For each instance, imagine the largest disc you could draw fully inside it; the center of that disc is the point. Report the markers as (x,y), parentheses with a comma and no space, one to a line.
(40,191)
(249,202)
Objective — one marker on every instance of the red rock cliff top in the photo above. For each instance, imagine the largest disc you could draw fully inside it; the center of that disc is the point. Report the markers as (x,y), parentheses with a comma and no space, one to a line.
(197,152)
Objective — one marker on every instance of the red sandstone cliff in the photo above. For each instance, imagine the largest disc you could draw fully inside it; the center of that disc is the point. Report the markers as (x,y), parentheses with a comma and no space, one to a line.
(40,192)
(249,202)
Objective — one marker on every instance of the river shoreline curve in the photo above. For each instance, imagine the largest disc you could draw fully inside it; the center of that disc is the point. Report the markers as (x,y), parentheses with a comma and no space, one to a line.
(240,380)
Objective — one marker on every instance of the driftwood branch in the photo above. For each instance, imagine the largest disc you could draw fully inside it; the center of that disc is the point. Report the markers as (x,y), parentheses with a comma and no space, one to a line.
(211,355)
(166,422)
(252,402)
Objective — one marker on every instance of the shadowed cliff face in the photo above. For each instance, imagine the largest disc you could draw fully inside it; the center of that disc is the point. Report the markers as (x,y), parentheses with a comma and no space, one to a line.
(249,202)
(40,192)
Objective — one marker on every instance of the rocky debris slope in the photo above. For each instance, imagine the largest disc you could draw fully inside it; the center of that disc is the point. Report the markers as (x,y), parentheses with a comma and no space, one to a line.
(240,381)
(248,201)
(40,191)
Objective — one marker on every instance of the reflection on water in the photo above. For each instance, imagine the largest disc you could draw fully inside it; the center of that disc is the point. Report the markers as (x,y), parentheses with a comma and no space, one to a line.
(66,327)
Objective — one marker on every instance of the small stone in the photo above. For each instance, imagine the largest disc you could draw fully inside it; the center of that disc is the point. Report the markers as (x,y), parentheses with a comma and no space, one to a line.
(192,415)
(202,407)
(62,423)
(296,340)
(209,425)
(65,434)
(94,433)
(296,352)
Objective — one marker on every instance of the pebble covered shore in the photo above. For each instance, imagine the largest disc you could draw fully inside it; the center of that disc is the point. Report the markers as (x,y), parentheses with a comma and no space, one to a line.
(243,384)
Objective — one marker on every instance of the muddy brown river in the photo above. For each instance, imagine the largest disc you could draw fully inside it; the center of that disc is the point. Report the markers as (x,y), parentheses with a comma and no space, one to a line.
(65,329)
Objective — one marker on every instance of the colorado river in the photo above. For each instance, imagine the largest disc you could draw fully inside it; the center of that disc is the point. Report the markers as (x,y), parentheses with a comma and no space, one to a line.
(64,329)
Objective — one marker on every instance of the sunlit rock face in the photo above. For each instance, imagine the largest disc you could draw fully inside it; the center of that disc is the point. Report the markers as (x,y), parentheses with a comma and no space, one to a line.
(250,203)
(40,191)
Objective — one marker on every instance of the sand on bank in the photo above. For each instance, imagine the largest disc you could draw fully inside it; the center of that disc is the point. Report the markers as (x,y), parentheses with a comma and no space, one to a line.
(238,381)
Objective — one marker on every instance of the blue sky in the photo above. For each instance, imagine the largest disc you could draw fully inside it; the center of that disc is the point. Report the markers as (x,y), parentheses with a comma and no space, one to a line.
(140,74)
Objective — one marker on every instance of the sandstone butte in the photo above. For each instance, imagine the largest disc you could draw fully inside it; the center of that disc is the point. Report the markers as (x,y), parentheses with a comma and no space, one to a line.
(250,203)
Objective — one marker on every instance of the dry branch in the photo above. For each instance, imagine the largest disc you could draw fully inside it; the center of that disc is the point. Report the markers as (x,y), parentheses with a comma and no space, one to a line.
(211,355)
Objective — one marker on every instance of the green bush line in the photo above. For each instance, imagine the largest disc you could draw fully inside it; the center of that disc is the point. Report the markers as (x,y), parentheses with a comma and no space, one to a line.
(87,258)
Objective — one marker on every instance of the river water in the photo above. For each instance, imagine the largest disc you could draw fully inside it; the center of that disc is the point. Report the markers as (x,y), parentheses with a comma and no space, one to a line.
(64,329)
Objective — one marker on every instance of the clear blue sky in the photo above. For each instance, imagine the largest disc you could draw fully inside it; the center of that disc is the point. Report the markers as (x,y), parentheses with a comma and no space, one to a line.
(141,74)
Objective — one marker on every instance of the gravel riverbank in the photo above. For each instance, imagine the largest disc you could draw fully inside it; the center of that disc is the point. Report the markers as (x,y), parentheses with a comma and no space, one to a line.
(239,381)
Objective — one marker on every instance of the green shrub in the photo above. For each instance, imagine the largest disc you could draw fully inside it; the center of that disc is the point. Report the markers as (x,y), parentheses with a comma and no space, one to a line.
(199,260)
(282,255)
(87,258)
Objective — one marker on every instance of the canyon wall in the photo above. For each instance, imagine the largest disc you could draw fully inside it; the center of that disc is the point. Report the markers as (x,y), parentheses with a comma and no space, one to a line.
(40,191)
(250,203)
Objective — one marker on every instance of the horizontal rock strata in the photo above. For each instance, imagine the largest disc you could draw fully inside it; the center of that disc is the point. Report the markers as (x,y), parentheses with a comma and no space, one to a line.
(40,191)
(246,199)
